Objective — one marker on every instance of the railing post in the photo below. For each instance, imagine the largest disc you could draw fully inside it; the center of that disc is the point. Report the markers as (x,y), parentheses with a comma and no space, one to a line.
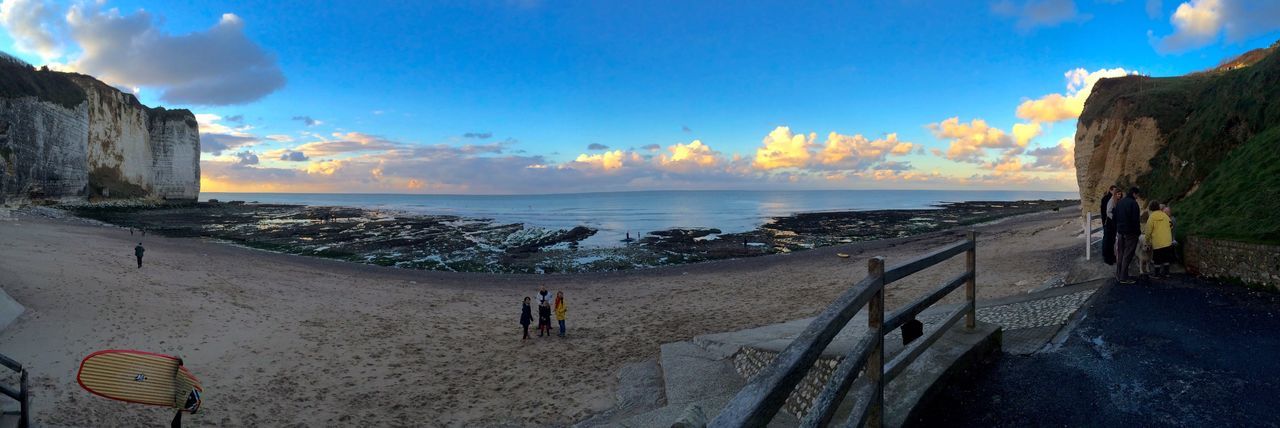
(971,286)
(1088,235)
(875,363)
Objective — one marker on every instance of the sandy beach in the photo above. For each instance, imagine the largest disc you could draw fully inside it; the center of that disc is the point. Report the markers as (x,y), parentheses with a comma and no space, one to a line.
(282,340)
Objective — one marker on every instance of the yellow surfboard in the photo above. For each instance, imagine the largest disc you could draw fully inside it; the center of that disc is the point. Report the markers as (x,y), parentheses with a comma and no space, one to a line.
(140,377)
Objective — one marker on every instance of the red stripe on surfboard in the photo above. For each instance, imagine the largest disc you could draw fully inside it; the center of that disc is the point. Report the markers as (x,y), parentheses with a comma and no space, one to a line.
(135,352)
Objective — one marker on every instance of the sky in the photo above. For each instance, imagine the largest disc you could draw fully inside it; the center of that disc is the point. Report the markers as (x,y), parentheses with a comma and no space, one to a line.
(540,96)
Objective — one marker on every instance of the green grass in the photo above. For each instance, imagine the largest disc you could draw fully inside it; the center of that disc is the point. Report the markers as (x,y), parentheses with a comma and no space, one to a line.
(1240,200)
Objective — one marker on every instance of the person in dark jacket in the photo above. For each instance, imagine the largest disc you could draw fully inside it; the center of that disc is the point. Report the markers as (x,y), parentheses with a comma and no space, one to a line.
(526,317)
(137,251)
(544,318)
(1128,221)
(1108,228)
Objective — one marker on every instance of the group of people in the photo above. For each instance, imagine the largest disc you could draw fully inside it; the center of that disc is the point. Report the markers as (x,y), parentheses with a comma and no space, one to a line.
(1123,230)
(546,305)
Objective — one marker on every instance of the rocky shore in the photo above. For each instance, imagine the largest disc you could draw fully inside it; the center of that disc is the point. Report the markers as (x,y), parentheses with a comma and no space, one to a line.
(452,243)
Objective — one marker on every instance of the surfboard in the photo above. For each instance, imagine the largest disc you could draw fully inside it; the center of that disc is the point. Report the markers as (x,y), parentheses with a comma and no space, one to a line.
(140,377)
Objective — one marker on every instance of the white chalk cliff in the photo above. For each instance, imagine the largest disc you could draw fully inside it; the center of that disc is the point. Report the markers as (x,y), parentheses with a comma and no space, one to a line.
(66,137)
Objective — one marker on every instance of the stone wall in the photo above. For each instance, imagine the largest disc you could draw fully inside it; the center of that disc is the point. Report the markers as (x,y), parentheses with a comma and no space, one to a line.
(749,361)
(1255,264)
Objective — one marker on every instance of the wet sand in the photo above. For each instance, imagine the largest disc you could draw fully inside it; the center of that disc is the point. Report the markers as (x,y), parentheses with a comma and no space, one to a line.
(282,339)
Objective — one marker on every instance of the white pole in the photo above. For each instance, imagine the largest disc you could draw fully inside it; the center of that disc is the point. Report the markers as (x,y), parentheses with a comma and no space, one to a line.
(1088,235)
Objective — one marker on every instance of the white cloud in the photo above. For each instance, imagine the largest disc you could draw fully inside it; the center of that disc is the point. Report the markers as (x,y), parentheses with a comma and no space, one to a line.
(970,141)
(1059,107)
(32,24)
(216,66)
(1198,23)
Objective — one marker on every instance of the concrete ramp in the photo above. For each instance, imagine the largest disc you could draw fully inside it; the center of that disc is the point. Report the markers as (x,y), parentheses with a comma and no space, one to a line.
(10,310)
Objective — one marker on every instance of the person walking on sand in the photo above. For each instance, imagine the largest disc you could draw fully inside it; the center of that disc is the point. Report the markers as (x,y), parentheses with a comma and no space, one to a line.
(1108,226)
(544,319)
(1159,230)
(561,308)
(137,251)
(526,317)
(1128,227)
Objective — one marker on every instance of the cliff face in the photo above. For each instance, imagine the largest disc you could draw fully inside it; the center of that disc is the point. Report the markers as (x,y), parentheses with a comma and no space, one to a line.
(69,136)
(1173,137)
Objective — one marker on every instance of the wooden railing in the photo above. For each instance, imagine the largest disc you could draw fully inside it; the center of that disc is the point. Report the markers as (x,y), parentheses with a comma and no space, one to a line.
(23,394)
(757,403)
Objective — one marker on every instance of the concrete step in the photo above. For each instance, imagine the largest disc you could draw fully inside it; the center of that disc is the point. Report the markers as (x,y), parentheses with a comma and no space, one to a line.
(691,373)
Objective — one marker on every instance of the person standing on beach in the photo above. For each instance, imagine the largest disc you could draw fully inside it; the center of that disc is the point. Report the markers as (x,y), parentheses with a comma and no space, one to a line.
(543,296)
(1128,227)
(137,251)
(1159,230)
(526,317)
(1108,226)
(561,308)
(544,319)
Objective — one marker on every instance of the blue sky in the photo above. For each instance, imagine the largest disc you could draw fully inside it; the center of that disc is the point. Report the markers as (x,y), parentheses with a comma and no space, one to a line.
(547,79)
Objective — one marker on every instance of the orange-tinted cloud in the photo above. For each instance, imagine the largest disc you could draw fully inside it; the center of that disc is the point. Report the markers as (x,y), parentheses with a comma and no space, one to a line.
(1059,107)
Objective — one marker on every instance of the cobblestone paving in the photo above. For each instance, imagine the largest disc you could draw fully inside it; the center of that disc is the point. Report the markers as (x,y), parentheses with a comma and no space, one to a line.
(1024,322)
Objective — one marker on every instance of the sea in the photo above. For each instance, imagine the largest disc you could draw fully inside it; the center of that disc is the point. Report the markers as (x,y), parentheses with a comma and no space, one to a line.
(617,215)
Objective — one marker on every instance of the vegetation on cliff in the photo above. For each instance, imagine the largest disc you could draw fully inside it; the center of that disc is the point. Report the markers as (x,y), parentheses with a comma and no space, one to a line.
(1219,163)
(19,79)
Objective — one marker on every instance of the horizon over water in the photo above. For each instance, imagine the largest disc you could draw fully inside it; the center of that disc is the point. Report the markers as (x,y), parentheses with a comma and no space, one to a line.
(614,214)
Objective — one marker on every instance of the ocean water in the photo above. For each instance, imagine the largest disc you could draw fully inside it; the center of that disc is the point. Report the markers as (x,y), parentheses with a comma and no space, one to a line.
(615,214)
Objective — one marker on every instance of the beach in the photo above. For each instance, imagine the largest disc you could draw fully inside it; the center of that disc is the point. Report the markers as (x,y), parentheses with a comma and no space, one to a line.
(288,340)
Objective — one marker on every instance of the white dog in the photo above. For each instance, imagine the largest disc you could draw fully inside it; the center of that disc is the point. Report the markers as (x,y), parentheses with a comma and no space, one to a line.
(1145,266)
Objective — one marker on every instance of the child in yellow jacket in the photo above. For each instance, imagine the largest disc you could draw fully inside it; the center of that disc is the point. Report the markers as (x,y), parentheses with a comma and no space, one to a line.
(561,308)
(1159,230)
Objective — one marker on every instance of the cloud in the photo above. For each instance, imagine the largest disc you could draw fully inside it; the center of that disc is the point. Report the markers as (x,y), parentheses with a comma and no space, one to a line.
(607,160)
(1056,158)
(217,143)
(478,135)
(688,157)
(597,146)
(685,129)
(350,142)
(246,158)
(1198,23)
(216,137)
(280,138)
(858,152)
(970,141)
(307,120)
(1059,107)
(1032,14)
(292,156)
(32,25)
(651,147)
(215,66)
(782,149)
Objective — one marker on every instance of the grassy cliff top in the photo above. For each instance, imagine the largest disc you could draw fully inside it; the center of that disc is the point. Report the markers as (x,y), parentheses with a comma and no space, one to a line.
(19,79)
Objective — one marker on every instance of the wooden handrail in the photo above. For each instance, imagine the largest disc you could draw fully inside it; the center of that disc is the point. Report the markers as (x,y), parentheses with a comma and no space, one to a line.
(903,270)
(909,312)
(757,402)
(824,406)
(11,364)
(912,352)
